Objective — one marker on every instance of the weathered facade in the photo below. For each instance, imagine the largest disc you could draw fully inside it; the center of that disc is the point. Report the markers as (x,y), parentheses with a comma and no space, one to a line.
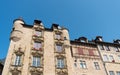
(86,58)
(110,53)
(37,50)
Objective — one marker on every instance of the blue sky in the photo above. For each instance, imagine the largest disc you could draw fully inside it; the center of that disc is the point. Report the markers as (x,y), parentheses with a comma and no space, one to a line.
(87,18)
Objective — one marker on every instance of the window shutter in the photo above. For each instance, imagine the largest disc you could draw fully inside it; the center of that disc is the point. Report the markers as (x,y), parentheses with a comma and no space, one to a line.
(80,51)
(91,53)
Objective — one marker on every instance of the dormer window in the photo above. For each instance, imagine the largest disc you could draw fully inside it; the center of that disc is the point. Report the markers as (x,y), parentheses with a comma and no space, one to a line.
(101,47)
(82,41)
(100,39)
(107,48)
(116,49)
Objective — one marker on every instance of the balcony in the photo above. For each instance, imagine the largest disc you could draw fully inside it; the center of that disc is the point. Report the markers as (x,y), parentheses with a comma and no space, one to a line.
(61,71)
(15,68)
(33,69)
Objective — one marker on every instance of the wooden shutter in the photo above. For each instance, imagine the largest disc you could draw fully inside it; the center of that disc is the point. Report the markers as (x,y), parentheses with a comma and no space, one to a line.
(91,52)
(80,51)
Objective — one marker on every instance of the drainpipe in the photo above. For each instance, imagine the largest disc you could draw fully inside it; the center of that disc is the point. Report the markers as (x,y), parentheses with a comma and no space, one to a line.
(102,60)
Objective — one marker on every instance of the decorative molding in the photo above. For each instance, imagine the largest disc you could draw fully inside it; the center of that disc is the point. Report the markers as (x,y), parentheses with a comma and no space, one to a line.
(19,51)
(61,71)
(37,53)
(35,69)
(14,69)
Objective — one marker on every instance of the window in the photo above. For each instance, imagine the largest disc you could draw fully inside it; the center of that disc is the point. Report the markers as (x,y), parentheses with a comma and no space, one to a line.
(118,72)
(18,60)
(111,58)
(119,57)
(116,49)
(38,33)
(101,47)
(83,64)
(105,58)
(75,64)
(96,66)
(60,63)
(57,36)
(80,51)
(107,48)
(36,61)
(111,73)
(59,48)
(37,45)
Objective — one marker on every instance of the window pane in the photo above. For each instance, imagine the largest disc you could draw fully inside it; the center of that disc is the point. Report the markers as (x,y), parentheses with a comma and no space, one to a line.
(57,36)
(116,49)
(107,48)
(111,73)
(96,65)
(38,33)
(36,61)
(105,58)
(83,64)
(75,64)
(37,45)
(101,47)
(111,58)
(17,60)
(119,57)
(60,63)
(118,73)
(59,48)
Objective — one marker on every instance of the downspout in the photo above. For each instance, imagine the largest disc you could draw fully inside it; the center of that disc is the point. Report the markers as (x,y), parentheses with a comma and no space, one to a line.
(102,60)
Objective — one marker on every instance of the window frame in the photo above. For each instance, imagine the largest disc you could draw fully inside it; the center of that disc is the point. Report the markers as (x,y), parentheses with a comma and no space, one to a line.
(97,67)
(118,73)
(60,63)
(83,64)
(59,48)
(37,45)
(36,61)
(107,48)
(38,33)
(18,60)
(105,58)
(57,36)
(111,72)
(101,47)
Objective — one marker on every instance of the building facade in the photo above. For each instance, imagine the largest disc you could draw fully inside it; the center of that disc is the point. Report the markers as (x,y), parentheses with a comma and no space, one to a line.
(110,53)
(86,58)
(37,50)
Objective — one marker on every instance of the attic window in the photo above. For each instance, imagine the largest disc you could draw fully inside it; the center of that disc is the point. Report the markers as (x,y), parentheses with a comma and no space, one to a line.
(82,40)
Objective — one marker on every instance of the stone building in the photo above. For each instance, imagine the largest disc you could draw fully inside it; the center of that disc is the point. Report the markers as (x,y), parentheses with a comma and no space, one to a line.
(86,58)
(37,50)
(110,53)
